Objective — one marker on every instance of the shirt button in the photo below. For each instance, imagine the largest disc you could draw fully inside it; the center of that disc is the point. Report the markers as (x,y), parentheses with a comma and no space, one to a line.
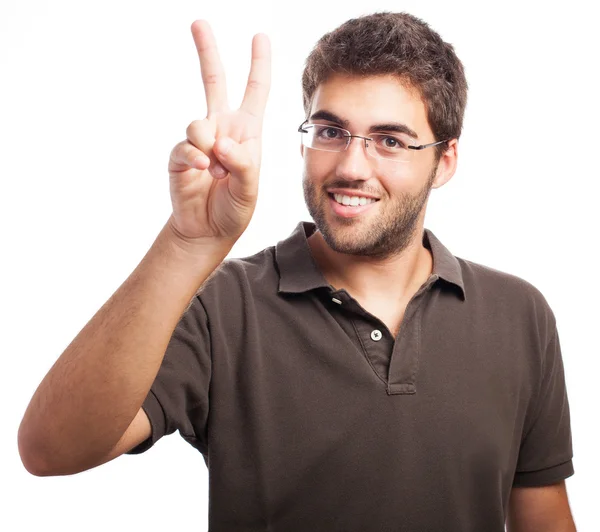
(376,335)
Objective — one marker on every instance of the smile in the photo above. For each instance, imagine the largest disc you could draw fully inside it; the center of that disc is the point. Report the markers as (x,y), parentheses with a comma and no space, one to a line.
(352,207)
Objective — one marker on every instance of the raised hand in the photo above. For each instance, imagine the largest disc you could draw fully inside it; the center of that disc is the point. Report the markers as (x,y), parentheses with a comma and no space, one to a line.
(208,204)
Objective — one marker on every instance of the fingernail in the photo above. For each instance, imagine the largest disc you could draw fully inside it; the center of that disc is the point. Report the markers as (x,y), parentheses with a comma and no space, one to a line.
(219,171)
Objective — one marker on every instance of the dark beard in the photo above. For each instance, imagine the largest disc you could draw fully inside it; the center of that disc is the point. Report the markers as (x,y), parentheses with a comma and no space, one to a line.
(387,236)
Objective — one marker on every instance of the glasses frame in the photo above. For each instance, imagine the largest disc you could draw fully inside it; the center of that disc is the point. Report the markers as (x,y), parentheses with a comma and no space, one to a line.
(349,138)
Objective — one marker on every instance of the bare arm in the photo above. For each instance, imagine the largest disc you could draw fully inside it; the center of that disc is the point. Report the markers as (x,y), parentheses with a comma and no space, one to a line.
(86,411)
(93,392)
(540,509)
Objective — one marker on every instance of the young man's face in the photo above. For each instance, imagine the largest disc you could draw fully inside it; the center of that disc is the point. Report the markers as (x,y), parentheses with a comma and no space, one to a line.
(385,227)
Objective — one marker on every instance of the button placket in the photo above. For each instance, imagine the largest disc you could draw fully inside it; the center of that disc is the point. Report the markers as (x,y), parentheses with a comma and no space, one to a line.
(403,369)
(368,328)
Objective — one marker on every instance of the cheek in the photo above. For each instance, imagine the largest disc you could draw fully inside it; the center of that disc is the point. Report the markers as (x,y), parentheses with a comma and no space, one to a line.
(410,176)
(402,183)
(423,162)
(316,167)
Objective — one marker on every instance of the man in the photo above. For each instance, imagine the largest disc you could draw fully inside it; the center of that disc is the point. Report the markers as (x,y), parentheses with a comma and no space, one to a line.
(355,376)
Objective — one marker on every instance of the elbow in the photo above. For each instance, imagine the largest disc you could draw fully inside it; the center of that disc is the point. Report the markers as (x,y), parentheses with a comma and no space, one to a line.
(39,461)
(33,469)
(31,457)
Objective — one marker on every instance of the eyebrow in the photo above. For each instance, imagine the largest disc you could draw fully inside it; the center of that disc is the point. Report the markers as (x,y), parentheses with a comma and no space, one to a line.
(390,126)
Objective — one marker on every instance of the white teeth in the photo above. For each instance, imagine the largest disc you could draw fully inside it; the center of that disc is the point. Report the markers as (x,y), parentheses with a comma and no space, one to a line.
(353,201)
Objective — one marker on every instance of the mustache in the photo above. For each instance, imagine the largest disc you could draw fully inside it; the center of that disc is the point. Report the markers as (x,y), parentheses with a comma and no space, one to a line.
(352,187)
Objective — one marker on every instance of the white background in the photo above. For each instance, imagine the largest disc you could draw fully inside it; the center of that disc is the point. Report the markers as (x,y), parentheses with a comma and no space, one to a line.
(93,96)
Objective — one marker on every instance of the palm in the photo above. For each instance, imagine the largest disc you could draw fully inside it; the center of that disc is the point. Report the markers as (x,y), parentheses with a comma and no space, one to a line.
(208,207)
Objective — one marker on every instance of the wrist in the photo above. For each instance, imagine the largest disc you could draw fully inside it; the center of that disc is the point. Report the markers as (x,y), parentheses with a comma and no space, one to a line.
(195,247)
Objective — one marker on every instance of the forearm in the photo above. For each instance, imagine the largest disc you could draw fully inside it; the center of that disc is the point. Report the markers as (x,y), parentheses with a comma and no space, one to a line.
(95,388)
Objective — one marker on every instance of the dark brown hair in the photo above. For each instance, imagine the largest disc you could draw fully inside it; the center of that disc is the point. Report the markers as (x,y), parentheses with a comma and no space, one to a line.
(399,44)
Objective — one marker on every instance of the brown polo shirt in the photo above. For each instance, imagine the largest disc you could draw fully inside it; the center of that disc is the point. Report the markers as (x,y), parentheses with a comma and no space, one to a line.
(310,416)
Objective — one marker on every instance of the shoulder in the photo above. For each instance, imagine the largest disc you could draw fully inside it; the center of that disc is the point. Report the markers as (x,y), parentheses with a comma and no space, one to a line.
(238,276)
(507,295)
(238,293)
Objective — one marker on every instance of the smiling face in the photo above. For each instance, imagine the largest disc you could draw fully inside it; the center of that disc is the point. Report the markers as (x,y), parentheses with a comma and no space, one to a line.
(386,227)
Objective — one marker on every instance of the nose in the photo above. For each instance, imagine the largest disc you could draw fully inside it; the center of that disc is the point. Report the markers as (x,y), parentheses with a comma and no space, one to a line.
(354,162)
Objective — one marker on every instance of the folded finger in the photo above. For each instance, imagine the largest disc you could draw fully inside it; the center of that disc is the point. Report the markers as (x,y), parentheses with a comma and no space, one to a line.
(185,155)
(201,134)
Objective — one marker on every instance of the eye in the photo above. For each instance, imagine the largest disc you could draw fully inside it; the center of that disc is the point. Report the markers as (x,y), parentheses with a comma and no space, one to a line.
(390,143)
(328,132)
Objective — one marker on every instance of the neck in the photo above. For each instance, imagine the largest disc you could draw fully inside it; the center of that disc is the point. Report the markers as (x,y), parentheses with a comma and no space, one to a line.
(398,277)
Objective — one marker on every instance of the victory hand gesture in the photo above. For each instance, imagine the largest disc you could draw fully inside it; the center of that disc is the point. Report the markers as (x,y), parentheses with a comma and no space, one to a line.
(214,172)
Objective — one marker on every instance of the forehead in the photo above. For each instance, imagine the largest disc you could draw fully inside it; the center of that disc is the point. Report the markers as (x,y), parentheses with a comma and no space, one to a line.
(364,101)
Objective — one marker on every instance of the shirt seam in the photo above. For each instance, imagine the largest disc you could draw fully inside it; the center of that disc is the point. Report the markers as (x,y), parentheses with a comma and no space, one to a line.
(538,470)
(538,399)
(210,355)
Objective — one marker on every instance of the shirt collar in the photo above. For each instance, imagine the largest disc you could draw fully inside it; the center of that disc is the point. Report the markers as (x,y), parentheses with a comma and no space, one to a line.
(298,271)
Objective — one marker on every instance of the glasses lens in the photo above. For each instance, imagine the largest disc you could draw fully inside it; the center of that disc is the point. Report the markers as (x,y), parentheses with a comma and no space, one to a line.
(321,137)
(394,147)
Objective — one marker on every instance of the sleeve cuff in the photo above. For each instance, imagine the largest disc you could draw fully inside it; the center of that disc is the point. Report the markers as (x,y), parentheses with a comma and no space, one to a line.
(543,477)
(156,415)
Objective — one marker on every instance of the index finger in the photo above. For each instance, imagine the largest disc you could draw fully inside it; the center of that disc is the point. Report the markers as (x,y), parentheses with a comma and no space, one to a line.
(213,74)
(259,79)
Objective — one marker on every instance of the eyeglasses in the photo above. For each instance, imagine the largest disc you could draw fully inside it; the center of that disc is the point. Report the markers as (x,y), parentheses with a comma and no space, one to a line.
(394,147)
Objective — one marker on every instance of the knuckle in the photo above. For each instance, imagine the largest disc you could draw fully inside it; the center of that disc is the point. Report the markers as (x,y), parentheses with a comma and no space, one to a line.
(192,128)
(255,84)
(211,79)
(190,153)
(176,152)
(183,153)
(199,134)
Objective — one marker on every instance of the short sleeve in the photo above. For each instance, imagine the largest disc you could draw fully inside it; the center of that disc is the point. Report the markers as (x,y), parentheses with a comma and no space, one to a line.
(178,397)
(546,452)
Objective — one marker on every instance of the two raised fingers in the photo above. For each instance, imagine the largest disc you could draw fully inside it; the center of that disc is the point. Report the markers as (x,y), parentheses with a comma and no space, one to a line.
(213,74)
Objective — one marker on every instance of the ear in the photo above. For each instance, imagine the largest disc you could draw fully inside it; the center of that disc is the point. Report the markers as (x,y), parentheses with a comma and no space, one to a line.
(447,165)
(302,150)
